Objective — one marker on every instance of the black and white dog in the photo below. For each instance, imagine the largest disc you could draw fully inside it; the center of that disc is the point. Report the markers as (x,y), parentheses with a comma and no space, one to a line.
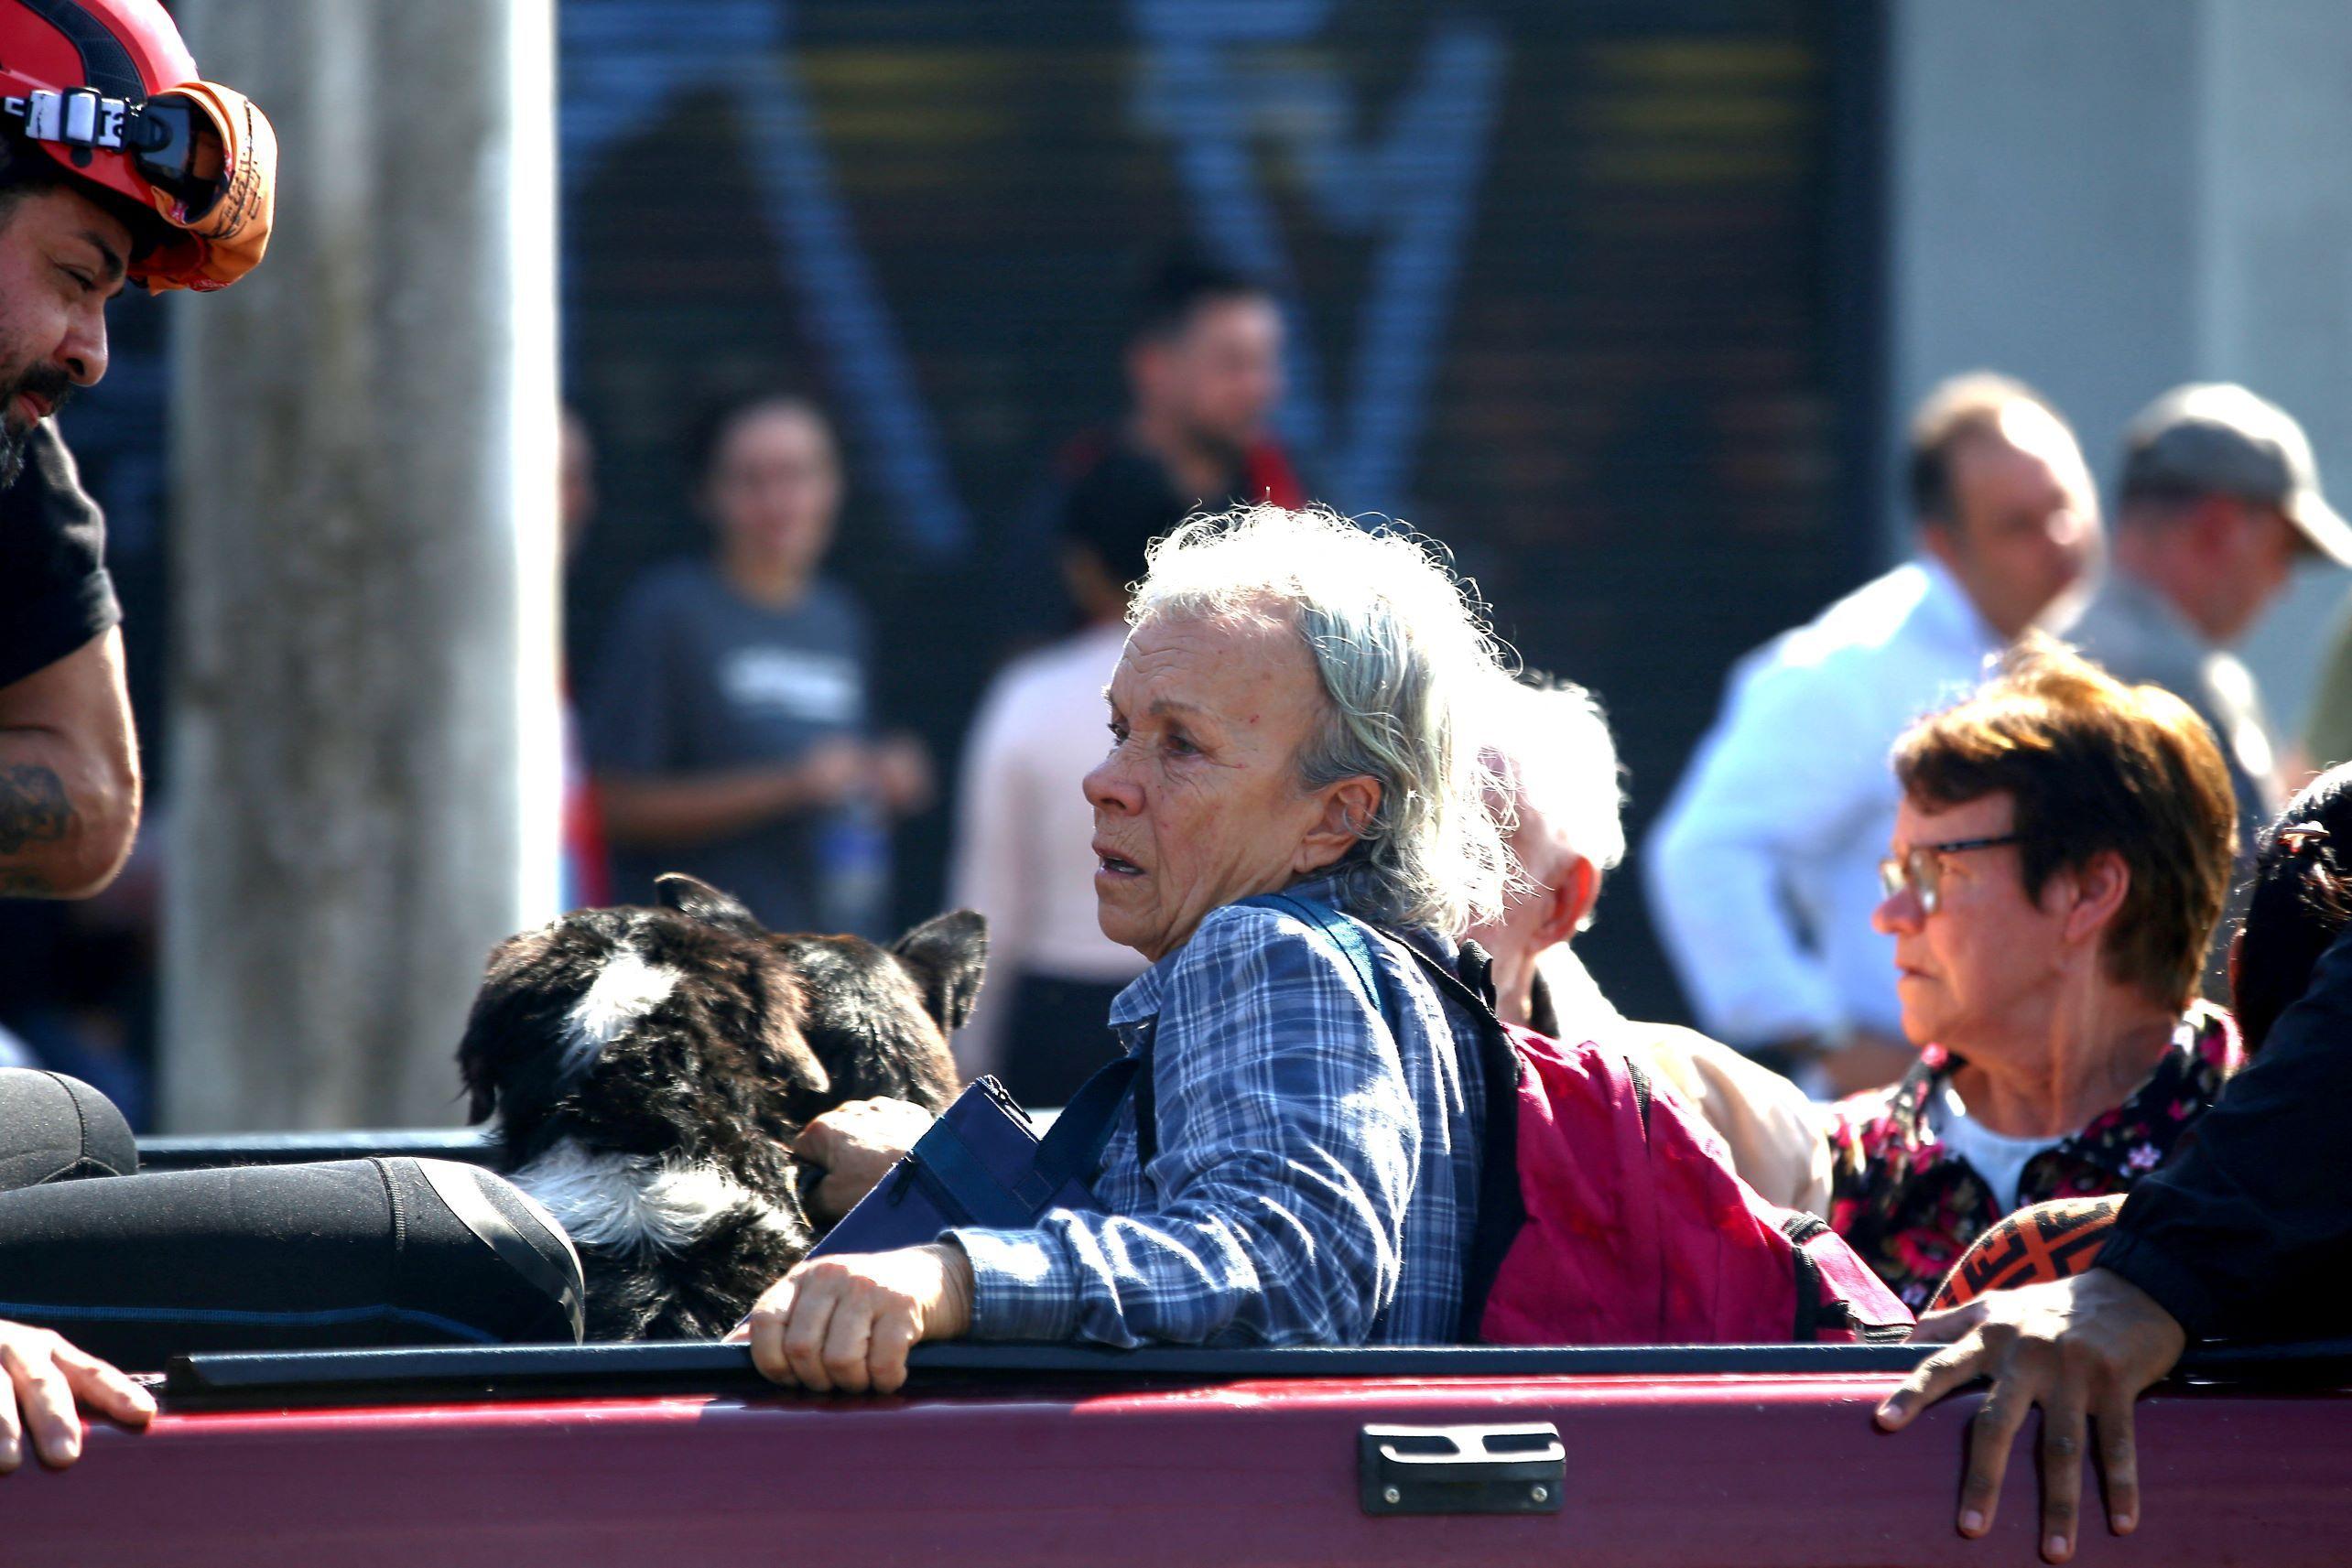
(649,1067)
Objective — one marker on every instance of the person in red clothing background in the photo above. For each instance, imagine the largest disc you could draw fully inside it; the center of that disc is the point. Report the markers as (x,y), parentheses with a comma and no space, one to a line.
(587,873)
(1204,363)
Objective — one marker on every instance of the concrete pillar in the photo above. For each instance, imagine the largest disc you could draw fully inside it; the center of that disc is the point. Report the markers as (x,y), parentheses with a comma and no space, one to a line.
(2275,240)
(2109,197)
(2042,196)
(364,453)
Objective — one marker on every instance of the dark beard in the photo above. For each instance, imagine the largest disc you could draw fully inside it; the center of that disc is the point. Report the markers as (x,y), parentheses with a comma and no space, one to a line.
(45,381)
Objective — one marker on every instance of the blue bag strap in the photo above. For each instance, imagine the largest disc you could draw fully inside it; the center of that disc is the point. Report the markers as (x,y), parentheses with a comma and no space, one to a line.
(1343,934)
(1072,1148)
(964,1188)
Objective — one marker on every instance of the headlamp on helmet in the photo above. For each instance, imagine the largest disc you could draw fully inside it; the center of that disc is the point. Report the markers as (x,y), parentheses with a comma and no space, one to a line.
(161,136)
(107,88)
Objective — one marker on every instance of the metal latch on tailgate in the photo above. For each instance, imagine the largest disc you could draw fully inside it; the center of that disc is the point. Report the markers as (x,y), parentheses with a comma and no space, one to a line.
(1461,1469)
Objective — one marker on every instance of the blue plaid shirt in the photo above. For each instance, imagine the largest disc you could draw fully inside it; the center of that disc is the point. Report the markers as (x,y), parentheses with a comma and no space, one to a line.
(1316,1176)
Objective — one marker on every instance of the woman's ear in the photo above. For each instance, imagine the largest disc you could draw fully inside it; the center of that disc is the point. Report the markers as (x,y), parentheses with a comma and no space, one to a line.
(2101,884)
(1348,808)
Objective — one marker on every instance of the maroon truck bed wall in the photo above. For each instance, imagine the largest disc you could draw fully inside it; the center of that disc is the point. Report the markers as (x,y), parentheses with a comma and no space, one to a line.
(1680,1467)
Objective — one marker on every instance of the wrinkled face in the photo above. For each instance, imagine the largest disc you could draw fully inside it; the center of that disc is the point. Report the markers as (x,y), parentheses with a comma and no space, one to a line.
(2027,527)
(1199,803)
(61,258)
(775,486)
(1222,375)
(1989,958)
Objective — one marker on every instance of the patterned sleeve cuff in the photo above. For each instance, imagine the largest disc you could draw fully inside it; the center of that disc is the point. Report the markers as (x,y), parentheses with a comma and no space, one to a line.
(1023,1286)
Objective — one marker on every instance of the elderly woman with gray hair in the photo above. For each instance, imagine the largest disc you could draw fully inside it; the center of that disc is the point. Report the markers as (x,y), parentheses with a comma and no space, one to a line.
(1287,716)
(1553,764)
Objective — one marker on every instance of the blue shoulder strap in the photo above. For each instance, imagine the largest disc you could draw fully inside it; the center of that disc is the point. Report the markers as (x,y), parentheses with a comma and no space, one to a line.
(1343,934)
(1073,1146)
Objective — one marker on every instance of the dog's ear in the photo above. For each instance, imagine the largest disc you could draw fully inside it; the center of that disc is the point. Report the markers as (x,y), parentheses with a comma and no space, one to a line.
(947,956)
(490,1025)
(697,900)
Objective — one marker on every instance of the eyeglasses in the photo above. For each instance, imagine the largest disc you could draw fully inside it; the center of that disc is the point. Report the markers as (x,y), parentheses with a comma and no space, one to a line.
(1919,870)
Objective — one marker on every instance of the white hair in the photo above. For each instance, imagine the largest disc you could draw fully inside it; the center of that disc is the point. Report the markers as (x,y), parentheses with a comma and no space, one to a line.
(1550,751)
(1402,655)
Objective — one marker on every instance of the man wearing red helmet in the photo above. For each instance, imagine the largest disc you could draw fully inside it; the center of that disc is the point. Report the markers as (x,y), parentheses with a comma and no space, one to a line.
(116,165)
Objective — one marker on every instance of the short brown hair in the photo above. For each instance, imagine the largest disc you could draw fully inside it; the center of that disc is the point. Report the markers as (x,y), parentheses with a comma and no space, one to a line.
(2095,765)
(1961,409)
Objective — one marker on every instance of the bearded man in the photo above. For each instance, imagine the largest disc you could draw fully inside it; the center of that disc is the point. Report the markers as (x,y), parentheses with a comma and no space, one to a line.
(117,165)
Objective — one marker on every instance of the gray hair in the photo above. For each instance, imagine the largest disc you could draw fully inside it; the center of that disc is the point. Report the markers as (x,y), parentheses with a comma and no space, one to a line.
(1404,660)
(1554,763)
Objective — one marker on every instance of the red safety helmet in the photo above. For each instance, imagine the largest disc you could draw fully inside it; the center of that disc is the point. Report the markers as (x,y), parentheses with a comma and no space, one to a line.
(108,89)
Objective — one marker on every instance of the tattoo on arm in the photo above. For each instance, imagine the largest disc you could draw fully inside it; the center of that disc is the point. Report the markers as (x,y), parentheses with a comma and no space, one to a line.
(33,807)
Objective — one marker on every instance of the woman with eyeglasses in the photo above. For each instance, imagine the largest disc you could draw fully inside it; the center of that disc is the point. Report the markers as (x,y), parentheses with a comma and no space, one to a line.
(2243,1238)
(2060,857)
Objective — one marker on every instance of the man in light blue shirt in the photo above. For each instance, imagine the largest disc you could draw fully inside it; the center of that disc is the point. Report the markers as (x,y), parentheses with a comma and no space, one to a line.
(1763,870)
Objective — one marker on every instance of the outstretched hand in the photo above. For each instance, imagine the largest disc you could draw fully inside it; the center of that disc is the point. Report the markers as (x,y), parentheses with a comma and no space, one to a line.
(2082,1349)
(45,1375)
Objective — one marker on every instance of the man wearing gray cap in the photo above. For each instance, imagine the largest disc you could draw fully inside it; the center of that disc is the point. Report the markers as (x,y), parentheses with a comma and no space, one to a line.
(2220,494)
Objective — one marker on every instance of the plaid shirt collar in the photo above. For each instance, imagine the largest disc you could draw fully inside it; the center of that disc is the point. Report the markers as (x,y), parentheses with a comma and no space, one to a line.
(1141,998)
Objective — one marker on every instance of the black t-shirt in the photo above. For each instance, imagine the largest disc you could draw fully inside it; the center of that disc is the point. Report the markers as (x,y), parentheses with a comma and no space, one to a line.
(696,679)
(55,594)
(2248,1233)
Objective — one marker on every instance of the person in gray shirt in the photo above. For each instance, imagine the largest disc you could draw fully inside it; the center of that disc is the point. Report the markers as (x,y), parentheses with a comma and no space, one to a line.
(2220,492)
(729,728)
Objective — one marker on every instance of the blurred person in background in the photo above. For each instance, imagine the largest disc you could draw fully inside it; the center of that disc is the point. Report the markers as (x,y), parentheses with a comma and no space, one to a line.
(1204,369)
(1763,869)
(2056,868)
(2327,733)
(587,873)
(2219,495)
(1555,780)
(1025,830)
(730,727)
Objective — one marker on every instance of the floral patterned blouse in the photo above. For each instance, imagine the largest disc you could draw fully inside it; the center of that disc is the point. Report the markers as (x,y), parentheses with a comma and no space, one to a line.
(1909,1206)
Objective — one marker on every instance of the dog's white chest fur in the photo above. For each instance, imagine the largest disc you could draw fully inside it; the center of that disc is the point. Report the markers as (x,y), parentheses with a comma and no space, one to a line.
(633,1201)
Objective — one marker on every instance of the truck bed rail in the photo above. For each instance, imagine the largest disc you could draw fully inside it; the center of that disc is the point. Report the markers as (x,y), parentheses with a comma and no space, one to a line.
(439,1374)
